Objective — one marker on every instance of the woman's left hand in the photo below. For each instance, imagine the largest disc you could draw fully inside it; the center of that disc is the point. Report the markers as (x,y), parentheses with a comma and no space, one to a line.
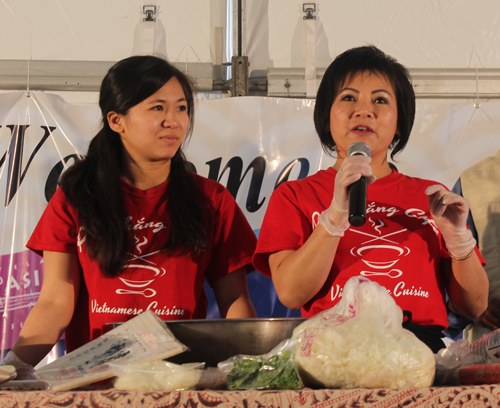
(447,207)
(449,211)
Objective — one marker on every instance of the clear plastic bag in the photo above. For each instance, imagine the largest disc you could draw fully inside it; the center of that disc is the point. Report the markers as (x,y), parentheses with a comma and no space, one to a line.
(22,371)
(156,375)
(275,370)
(143,338)
(449,360)
(360,343)
(463,362)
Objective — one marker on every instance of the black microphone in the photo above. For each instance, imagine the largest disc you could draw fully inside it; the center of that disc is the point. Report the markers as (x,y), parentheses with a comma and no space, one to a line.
(357,190)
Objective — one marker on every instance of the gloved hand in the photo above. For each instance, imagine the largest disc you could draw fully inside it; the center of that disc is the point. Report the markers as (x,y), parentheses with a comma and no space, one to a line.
(7,372)
(336,217)
(24,371)
(449,211)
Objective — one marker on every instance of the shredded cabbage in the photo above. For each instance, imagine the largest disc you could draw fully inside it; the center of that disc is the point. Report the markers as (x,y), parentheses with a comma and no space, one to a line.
(360,343)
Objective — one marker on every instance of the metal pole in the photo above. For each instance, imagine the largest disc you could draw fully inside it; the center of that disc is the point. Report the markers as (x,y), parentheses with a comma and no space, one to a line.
(240,31)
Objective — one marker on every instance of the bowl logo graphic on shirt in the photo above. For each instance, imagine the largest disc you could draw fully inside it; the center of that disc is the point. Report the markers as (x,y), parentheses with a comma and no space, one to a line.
(134,287)
(137,288)
(381,249)
(385,246)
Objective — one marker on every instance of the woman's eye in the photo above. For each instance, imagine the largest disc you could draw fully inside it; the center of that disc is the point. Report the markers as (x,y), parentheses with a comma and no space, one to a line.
(380,99)
(158,108)
(348,98)
(182,108)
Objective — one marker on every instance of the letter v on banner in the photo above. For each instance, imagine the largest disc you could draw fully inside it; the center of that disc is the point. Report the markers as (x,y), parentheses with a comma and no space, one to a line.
(15,174)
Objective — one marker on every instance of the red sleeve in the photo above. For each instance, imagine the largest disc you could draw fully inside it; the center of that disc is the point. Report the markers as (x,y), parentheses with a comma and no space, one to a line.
(233,240)
(57,229)
(285,226)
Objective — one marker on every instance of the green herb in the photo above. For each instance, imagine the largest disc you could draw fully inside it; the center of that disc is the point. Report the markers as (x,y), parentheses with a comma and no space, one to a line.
(275,373)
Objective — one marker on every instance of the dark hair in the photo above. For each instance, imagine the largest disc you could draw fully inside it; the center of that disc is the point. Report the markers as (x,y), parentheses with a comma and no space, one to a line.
(93,184)
(343,69)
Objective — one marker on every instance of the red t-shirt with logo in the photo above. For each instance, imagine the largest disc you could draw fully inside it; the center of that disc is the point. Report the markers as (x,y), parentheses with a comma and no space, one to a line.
(399,246)
(172,287)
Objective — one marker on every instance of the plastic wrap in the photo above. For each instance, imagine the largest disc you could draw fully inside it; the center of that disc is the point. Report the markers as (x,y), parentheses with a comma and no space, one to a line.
(360,343)
(275,370)
(156,375)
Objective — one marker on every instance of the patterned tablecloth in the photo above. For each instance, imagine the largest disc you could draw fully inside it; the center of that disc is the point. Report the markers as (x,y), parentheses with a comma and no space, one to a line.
(463,397)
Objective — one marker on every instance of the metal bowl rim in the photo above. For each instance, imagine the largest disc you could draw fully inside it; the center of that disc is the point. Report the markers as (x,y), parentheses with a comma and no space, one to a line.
(247,320)
(226,321)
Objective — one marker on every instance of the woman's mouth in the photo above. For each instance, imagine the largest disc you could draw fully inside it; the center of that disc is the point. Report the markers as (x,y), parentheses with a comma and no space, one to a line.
(169,139)
(362,129)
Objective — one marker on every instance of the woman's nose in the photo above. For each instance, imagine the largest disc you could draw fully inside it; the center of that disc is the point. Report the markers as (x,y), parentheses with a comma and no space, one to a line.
(170,120)
(364,109)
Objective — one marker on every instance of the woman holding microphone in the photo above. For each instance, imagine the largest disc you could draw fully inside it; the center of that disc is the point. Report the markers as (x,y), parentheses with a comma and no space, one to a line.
(414,242)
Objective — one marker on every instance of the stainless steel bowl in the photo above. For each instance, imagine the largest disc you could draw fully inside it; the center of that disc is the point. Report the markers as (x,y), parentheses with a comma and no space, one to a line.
(215,340)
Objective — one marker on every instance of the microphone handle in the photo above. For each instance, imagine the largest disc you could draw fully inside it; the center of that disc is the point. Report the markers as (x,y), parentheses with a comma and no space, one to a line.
(357,202)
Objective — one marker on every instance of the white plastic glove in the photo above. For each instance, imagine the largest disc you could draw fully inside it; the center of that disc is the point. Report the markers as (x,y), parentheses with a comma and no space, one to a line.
(449,211)
(335,219)
(24,371)
(7,372)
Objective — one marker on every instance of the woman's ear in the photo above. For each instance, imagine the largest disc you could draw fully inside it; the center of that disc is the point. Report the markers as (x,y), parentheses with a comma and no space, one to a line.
(115,122)
(396,137)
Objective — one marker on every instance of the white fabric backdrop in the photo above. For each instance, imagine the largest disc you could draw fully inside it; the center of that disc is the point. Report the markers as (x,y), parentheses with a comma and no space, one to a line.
(420,34)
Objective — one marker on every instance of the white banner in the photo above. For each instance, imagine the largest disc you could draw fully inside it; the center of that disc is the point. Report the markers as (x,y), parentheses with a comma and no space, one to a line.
(264,140)
(249,144)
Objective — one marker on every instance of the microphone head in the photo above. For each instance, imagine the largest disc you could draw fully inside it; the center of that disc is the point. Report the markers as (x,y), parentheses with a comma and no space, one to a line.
(359,148)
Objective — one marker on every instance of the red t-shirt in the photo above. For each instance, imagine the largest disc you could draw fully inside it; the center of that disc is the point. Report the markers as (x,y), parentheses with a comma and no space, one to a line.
(172,287)
(399,246)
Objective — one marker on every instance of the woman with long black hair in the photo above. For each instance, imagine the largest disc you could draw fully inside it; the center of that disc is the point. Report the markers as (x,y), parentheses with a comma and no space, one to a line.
(130,228)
